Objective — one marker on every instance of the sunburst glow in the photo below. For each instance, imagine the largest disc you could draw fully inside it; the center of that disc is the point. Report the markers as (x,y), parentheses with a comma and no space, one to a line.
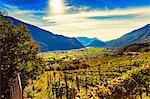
(56,6)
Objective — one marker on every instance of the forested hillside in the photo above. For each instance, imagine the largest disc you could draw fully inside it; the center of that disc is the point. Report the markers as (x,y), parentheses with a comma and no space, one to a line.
(49,41)
(136,47)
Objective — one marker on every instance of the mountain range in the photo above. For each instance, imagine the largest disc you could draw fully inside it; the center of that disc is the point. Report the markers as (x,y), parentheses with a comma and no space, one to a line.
(140,35)
(49,41)
(86,41)
(97,43)
(136,36)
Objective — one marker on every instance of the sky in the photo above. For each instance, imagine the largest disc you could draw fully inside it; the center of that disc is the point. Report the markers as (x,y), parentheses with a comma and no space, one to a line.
(103,19)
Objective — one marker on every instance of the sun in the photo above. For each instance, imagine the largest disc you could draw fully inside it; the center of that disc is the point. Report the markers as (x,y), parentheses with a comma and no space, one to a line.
(56,6)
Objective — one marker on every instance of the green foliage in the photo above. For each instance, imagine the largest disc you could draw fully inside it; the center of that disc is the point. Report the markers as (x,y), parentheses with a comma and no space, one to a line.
(130,83)
(85,73)
(112,77)
(18,54)
(137,47)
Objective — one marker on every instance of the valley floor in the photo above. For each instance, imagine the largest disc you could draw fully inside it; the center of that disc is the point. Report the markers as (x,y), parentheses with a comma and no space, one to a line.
(92,73)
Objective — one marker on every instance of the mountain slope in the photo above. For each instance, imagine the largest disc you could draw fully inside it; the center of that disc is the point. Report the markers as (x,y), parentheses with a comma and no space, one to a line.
(49,41)
(97,43)
(136,47)
(139,35)
(86,41)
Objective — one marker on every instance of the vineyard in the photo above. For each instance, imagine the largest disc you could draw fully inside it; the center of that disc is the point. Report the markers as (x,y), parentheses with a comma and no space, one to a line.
(92,73)
(26,72)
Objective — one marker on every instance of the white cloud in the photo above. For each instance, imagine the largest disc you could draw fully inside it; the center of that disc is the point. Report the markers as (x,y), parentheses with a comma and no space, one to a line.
(78,22)
(28,16)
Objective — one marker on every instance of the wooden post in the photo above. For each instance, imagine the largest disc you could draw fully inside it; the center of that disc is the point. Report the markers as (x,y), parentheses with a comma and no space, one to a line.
(73,94)
(66,85)
(17,88)
(99,71)
(0,85)
(78,85)
(86,85)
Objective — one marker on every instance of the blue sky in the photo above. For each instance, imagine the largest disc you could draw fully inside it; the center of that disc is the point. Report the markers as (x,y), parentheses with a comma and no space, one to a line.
(104,19)
(94,4)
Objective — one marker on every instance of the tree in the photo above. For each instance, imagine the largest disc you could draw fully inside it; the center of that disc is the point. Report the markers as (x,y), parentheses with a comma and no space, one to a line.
(18,54)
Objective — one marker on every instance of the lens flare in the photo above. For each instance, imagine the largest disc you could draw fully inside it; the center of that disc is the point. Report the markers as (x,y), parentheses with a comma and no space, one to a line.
(56,7)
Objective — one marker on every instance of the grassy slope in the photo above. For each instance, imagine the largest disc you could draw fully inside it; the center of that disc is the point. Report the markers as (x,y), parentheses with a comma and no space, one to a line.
(102,69)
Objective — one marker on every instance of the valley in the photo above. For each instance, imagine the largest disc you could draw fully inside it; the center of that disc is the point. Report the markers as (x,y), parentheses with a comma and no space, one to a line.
(38,64)
(92,73)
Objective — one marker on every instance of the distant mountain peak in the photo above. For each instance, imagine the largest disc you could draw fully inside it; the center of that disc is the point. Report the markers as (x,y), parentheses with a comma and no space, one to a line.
(97,43)
(85,40)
